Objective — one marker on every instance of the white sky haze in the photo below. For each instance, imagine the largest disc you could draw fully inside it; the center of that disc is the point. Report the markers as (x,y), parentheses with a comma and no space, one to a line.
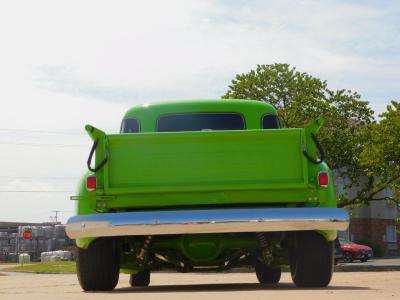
(67,63)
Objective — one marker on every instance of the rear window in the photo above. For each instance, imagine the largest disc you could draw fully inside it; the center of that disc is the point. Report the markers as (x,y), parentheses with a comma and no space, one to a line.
(129,126)
(270,122)
(201,121)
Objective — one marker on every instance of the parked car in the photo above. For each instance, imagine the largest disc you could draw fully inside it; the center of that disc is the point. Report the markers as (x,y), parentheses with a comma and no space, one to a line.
(353,251)
(338,251)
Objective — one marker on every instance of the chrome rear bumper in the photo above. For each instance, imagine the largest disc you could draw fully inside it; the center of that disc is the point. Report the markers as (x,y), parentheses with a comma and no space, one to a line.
(206,221)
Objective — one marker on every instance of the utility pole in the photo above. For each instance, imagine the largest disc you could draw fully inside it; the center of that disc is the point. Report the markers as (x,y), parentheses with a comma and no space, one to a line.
(55,218)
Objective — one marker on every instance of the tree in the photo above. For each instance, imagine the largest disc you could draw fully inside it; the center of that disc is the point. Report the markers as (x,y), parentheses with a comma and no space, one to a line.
(380,156)
(300,98)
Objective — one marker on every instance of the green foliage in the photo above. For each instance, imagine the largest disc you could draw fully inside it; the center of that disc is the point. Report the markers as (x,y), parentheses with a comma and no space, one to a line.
(300,98)
(293,93)
(380,155)
(356,146)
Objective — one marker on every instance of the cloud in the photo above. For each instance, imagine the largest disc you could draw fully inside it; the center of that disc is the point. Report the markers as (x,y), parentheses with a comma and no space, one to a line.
(134,52)
(65,64)
(59,78)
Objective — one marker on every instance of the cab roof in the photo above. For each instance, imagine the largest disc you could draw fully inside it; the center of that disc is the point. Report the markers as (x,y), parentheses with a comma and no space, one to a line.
(211,105)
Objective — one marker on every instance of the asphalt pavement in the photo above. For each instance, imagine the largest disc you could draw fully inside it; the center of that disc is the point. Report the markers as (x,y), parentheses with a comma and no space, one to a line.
(229,286)
(372,265)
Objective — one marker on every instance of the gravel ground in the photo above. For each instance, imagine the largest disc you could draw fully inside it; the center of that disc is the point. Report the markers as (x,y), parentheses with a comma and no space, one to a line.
(345,285)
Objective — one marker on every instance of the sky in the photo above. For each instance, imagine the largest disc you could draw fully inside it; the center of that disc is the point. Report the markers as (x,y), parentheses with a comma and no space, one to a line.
(64,64)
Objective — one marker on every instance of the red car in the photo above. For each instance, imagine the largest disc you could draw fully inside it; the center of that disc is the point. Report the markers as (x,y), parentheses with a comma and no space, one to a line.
(353,251)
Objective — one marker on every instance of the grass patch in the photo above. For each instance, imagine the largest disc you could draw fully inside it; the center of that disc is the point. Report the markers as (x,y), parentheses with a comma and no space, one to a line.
(46,267)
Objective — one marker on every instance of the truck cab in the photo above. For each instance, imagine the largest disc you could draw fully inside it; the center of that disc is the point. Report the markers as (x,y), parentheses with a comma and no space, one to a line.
(200,116)
(205,185)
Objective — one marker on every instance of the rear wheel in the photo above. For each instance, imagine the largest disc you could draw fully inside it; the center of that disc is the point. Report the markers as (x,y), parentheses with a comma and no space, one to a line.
(98,266)
(141,278)
(266,274)
(347,257)
(311,260)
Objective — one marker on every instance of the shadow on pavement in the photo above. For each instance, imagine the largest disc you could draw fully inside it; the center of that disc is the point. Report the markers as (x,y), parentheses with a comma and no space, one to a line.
(226,287)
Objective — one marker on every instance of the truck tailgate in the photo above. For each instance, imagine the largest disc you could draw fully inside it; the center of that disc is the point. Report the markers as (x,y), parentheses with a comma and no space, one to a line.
(205,161)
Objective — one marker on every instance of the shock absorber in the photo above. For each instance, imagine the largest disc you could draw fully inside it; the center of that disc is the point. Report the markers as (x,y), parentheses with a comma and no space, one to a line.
(143,252)
(266,255)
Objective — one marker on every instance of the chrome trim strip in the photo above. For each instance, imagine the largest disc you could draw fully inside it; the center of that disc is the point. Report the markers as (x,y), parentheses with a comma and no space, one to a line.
(206,221)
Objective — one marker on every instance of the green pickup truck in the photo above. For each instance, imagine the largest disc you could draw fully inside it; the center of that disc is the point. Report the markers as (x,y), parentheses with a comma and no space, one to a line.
(207,185)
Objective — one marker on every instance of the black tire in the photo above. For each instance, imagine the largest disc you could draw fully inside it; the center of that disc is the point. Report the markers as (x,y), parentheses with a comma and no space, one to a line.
(141,278)
(364,259)
(347,257)
(98,266)
(266,274)
(311,260)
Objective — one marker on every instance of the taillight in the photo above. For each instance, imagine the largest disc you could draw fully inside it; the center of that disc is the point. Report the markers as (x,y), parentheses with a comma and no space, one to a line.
(91,183)
(323,179)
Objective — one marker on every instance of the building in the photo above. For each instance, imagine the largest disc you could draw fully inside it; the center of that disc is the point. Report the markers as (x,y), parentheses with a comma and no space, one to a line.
(374,223)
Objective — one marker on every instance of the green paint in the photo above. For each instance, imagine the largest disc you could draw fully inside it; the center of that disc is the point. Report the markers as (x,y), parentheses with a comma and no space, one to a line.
(201,248)
(177,169)
(84,242)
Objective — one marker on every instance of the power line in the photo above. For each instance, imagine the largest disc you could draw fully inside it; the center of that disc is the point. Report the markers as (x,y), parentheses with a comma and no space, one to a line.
(38,177)
(33,191)
(41,144)
(42,131)
(41,213)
